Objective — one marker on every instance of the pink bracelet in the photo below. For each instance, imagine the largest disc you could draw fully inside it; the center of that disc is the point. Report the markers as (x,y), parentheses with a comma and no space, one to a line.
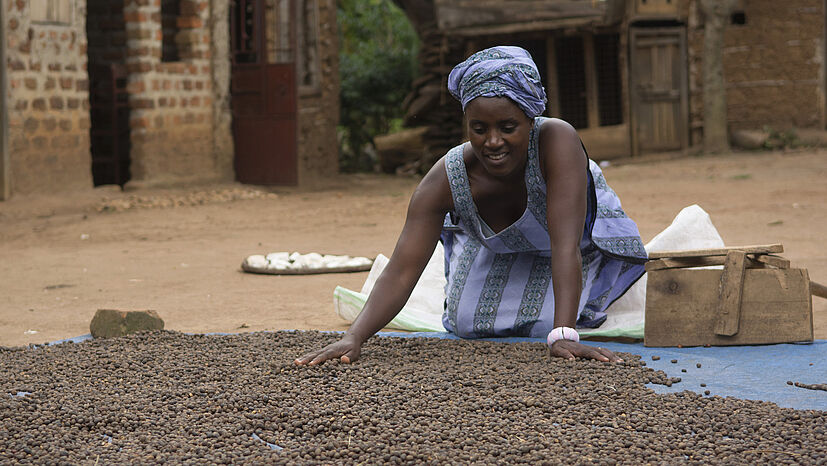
(562,333)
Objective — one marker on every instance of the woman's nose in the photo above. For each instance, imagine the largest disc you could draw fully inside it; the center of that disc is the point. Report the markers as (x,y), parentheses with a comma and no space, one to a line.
(493,139)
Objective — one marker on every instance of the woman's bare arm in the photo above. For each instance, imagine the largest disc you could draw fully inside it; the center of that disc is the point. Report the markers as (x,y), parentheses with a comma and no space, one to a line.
(426,212)
(566,168)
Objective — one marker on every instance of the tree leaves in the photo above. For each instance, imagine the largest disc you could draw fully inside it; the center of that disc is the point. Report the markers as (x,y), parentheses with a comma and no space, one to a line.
(377,62)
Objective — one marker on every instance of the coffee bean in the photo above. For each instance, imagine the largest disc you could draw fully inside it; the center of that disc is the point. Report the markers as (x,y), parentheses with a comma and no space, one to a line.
(167,397)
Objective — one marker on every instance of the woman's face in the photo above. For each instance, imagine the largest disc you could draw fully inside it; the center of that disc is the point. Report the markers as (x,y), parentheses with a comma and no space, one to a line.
(499,132)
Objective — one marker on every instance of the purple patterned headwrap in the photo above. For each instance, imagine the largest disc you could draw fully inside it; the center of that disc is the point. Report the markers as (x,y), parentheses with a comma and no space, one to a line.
(504,71)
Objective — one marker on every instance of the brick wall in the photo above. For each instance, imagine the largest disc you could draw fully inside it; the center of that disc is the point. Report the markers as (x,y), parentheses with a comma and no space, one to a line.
(171,116)
(179,112)
(48,101)
(772,66)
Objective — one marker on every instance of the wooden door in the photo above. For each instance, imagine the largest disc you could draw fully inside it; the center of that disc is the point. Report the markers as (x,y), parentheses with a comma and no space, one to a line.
(657,77)
(264,101)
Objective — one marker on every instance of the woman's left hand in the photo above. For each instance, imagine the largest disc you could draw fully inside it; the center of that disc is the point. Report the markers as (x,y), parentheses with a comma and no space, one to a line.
(571,349)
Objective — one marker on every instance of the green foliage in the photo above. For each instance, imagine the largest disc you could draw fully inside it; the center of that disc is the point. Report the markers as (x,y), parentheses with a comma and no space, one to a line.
(377,61)
(780,139)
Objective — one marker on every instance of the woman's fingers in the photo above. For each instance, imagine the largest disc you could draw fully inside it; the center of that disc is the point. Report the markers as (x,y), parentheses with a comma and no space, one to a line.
(597,354)
(314,357)
(305,359)
(561,352)
(570,349)
(320,358)
(351,356)
(610,354)
(347,353)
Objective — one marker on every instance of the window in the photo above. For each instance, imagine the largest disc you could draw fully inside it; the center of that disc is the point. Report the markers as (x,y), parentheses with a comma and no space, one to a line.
(571,81)
(306,53)
(607,67)
(278,36)
(170,10)
(589,91)
(52,11)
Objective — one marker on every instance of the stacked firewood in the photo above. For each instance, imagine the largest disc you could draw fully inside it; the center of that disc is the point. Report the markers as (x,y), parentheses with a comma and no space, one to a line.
(429,105)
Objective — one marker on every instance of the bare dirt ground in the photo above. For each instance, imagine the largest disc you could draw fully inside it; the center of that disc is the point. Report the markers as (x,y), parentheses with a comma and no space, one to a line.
(63,257)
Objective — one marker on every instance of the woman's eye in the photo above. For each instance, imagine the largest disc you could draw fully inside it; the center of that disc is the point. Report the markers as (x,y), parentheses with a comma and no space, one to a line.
(478,129)
(509,129)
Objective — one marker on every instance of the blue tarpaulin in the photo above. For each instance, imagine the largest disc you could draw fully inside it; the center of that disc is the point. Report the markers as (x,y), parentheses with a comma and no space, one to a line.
(746,372)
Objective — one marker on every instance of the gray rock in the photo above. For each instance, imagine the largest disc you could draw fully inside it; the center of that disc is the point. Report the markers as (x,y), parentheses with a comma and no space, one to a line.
(113,323)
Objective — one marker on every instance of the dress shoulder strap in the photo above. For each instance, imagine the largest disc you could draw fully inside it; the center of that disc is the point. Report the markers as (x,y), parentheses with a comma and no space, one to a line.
(534,182)
(460,186)
(533,174)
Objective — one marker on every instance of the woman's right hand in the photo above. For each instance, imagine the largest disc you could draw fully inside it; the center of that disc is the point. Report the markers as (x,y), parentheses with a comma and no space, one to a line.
(347,350)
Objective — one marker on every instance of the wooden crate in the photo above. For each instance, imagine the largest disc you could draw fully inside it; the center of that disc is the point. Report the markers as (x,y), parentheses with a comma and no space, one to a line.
(755,299)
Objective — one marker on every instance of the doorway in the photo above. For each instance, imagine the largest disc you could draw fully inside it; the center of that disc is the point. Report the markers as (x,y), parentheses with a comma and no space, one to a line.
(263,91)
(109,134)
(658,89)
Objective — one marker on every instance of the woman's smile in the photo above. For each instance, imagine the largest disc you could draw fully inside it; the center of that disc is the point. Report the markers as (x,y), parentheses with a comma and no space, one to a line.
(496,157)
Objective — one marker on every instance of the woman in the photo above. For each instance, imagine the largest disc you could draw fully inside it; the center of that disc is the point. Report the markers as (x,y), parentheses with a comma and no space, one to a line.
(535,241)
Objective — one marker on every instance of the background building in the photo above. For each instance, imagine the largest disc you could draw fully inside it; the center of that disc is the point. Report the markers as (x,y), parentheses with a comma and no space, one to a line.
(170,91)
(627,73)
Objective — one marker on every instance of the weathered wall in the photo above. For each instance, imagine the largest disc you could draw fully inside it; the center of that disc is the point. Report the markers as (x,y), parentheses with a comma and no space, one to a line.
(48,101)
(5,185)
(319,106)
(222,117)
(171,102)
(772,66)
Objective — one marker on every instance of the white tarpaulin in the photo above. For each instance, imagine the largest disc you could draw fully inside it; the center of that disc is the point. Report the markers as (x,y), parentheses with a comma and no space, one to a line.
(691,229)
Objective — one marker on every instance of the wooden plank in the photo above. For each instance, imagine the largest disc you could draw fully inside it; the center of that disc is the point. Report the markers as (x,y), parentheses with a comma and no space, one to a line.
(755,249)
(527,26)
(551,78)
(704,261)
(606,142)
(817,289)
(732,283)
(458,14)
(683,119)
(774,261)
(682,306)
(634,94)
(593,113)
(682,263)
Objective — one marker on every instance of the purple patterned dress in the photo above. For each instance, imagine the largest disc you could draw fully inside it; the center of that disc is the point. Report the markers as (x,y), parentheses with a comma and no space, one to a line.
(500,284)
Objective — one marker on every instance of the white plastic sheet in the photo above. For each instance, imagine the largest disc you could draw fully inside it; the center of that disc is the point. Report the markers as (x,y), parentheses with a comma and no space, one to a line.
(692,228)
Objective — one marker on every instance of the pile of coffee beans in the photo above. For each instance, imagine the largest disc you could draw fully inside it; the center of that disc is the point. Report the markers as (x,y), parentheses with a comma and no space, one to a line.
(171,397)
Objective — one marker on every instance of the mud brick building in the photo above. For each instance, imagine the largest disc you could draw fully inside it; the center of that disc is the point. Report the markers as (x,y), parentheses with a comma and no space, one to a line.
(167,92)
(627,73)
